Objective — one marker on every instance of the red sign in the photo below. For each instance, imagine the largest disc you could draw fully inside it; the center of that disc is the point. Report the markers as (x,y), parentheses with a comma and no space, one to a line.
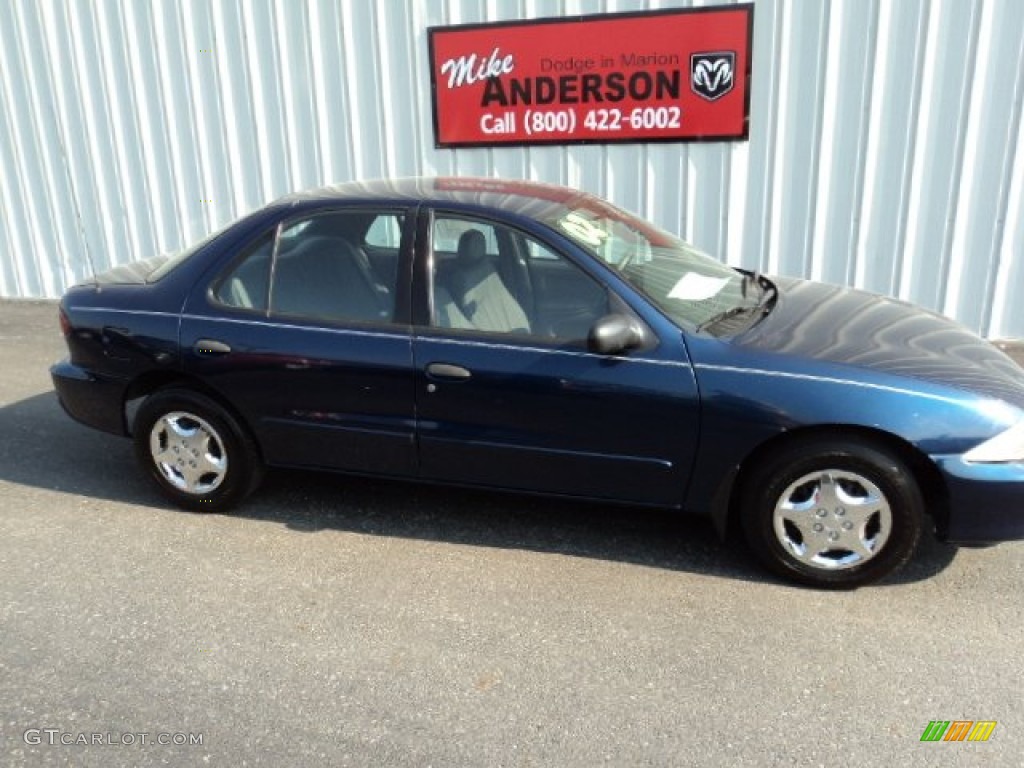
(681,75)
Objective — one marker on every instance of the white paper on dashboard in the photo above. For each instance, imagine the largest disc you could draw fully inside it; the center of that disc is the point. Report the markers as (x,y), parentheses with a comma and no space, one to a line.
(694,287)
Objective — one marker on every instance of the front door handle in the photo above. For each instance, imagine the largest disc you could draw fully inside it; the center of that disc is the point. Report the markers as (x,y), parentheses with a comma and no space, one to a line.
(447,371)
(211,347)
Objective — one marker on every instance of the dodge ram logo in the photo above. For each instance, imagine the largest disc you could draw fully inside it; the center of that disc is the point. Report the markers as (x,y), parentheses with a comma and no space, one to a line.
(711,73)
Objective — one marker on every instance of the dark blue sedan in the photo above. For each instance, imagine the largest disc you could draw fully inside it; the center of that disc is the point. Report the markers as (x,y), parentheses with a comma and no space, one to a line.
(534,338)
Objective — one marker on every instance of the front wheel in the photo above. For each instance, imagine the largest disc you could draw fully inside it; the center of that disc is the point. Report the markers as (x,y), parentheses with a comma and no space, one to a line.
(196,451)
(832,513)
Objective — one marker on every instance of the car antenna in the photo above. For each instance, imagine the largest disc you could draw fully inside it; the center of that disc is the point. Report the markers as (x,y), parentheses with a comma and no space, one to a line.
(78,214)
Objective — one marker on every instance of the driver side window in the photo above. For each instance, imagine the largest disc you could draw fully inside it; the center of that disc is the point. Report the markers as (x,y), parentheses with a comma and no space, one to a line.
(494,279)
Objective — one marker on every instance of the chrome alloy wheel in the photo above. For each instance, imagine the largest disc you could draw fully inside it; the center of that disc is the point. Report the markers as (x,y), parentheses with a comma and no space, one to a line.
(832,519)
(188,452)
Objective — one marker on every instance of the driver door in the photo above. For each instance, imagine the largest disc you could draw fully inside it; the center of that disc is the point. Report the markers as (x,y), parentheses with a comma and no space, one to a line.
(524,405)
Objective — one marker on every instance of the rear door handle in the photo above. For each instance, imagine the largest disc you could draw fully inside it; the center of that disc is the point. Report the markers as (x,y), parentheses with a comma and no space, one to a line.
(211,347)
(447,371)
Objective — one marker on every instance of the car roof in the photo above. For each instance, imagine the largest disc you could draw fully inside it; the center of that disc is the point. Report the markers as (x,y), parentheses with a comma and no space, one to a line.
(512,196)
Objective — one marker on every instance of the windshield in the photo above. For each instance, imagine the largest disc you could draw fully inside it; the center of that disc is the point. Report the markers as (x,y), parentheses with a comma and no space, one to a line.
(693,289)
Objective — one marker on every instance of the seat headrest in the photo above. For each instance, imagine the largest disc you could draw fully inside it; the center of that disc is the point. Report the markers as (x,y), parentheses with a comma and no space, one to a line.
(472,247)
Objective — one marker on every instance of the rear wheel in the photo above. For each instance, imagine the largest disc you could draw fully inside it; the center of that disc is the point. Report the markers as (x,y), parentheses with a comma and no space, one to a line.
(196,451)
(832,513)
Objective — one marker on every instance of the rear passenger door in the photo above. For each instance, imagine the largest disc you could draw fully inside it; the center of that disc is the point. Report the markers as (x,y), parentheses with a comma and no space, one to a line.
(306,333)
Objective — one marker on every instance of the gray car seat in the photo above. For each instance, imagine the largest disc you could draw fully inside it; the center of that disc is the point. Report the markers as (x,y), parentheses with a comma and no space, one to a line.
(324,277)
(479,295)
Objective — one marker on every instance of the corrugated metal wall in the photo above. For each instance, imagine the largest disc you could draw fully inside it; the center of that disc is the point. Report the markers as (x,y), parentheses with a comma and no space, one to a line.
(886,149)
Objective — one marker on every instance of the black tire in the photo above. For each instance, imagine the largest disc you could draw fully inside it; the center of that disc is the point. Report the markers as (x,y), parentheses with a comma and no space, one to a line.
(840,492)
(180,421)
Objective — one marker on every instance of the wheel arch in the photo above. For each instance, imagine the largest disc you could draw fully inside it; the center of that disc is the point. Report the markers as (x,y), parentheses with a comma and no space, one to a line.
(153,381)
(726,510)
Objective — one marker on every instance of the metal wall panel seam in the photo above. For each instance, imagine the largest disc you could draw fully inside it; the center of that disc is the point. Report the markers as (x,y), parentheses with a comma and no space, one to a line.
(764,109)
(231,135)
(973,161)
(350,67)
(13,219)
(787,215)
(285,74)
(211,118)
(99,118)
(163,129)
(891,285)
(387,122)
(34,125)
(777,148)
(895,103)
(8,278)
(449,158)
(1011,272)
(1001,224)
(947,266)
(841,179)
(160,198)
(81,145)
(201,151)
(299,112)
(826,187)
(821,63)
(26,268)
(313,167)
(938,159)
(368,84)
(266,61)
(320,98)
(178,114)
(255,92)
(382,77)
(864,123)
(66,213)
(419,89)
(125,130)
(350,112)
(993,120)
(911,139)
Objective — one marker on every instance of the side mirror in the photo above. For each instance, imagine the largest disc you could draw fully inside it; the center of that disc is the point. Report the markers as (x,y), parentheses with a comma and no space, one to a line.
(614,334)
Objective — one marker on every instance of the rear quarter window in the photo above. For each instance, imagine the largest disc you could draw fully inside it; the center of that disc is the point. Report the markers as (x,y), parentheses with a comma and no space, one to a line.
(246,284)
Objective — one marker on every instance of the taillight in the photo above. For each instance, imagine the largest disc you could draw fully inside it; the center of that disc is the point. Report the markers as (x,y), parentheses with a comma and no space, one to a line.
(65,324)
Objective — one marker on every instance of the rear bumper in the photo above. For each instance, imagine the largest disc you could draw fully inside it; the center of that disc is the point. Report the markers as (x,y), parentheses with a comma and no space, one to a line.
(986,501)
(93,400)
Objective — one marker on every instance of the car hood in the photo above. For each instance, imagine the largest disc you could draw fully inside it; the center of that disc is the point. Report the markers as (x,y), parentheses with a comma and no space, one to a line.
(841,325)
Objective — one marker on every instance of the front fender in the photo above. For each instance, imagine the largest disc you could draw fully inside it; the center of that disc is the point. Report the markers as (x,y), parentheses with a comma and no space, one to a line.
(745,404)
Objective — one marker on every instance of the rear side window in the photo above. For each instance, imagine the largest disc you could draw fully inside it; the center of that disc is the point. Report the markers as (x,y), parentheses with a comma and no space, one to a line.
(338,267)
(247,282)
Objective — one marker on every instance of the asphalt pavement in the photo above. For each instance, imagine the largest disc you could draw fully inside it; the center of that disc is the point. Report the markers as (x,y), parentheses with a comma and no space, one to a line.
(338,621)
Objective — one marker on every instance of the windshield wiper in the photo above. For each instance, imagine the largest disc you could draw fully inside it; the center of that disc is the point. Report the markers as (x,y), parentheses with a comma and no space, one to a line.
(725,315)
(761,305)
